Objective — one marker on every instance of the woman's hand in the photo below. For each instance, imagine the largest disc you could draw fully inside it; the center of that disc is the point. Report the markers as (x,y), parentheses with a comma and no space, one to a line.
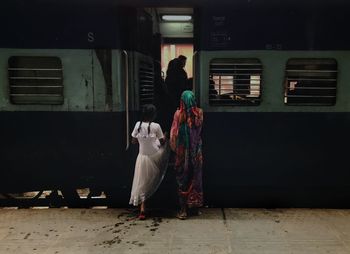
(164,139)
(134,140)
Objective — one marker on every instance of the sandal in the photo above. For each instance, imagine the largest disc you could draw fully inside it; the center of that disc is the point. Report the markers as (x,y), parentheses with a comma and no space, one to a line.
(181,216)
(142,216)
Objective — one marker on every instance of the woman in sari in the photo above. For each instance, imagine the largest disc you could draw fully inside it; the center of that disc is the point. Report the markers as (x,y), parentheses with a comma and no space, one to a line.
(186,142)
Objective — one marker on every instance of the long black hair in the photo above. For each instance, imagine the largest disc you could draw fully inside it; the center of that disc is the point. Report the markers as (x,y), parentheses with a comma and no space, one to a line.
(148,114)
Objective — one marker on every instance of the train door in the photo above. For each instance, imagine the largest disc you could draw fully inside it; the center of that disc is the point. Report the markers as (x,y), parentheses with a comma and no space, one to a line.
(139,87)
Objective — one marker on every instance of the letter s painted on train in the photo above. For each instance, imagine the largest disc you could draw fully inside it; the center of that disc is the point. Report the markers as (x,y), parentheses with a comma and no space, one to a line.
(91,37)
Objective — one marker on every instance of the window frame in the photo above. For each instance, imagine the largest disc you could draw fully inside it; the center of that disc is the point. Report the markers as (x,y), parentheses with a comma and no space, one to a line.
(34,81)
(240,68)
(311,78)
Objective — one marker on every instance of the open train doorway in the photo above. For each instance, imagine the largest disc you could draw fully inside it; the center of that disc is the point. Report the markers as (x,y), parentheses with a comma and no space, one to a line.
(176,32)
(176,28)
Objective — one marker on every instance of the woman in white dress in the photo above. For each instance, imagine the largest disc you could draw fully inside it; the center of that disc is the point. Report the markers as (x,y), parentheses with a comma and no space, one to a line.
(151,162)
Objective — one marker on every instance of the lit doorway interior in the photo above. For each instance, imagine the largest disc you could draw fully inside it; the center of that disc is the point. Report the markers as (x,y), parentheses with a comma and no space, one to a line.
(176,28)
(171,51)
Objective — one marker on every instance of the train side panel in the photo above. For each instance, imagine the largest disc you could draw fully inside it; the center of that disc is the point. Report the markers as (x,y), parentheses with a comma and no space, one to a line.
(48,145)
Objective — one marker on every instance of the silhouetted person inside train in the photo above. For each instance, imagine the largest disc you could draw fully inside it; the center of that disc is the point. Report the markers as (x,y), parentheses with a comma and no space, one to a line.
(176,80)
(189,84)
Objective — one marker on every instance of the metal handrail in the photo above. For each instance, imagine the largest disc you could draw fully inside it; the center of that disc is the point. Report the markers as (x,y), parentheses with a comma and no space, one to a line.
(126,62)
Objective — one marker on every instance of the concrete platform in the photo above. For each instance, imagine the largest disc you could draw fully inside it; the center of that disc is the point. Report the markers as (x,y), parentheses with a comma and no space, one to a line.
(248,231)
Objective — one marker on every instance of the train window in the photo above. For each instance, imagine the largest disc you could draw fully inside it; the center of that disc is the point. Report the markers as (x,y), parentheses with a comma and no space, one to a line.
(235,82)
(310,82)
(146,79)
(35,80)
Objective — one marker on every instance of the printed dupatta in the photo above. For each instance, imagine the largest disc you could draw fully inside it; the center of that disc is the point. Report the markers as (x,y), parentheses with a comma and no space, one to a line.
(186,142)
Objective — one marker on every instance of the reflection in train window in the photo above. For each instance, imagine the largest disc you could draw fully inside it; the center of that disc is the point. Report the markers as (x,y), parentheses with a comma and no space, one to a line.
(35,80)
(235,82)
(310,82)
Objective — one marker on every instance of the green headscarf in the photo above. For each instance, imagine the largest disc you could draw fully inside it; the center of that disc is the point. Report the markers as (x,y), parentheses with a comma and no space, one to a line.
(188,100)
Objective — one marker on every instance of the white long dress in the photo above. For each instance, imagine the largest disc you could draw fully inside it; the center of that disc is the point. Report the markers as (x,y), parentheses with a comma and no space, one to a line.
(151,162)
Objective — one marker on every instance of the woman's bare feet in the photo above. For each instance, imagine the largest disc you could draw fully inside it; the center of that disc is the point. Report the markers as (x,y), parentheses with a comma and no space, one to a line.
(182,214)
(142,215)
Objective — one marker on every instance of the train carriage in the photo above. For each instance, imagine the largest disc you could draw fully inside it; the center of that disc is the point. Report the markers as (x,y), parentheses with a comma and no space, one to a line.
(272,81)
(71,81)
(276,124)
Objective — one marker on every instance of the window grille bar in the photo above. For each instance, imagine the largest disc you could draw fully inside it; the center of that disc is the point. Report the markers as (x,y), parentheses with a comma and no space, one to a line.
(33,69)
(146,81)
(35,95)
(145,72)
(311,88)
(230,89)
(143,85)
(143,67)
(245,79)
(37,78)
(313,71)
(311,96)
(237,64)
(45,86)
(234,69)
(146,76)
(310,79)
(235,84)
